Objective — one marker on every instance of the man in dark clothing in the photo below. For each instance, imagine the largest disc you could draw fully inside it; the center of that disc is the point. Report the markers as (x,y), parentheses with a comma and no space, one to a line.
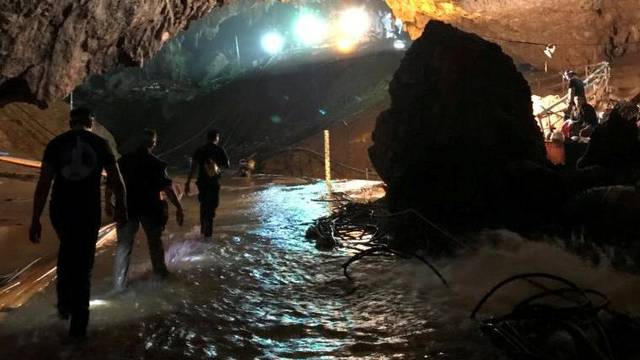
(145,177)
(584,119)
(576,90)
(208,161)
(74,162)
(586,114)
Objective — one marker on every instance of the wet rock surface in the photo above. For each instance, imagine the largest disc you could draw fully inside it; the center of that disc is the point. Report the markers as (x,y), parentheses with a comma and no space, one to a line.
(459,143)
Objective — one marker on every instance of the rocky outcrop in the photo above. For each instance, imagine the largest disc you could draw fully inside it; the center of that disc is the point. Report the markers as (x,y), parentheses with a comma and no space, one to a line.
(47,47)
(584,31)
(459,142)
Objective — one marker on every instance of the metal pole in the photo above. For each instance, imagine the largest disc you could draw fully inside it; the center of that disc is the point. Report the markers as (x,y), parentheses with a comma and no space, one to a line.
(327,160)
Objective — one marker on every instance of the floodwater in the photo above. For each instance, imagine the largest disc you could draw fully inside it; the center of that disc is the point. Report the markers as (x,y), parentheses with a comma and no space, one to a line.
(260,290)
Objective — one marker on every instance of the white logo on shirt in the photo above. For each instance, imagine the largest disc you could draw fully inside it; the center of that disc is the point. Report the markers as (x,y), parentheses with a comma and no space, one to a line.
(80,162)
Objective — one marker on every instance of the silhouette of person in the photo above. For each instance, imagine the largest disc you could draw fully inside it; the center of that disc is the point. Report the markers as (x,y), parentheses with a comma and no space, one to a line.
(208,162)
(74,162)
(145,177)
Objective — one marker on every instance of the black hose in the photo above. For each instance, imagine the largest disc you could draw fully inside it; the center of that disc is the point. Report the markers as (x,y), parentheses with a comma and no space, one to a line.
(488,295)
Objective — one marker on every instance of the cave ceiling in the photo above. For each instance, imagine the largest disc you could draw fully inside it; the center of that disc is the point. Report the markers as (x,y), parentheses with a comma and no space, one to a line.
(47,47)
(583,31)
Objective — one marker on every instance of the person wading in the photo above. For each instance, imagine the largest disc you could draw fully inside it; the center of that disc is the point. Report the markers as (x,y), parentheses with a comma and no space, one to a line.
(74,162)
(208,161)
(145,177)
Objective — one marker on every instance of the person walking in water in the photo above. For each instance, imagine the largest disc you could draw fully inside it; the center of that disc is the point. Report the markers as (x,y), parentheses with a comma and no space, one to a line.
(74,162)
(208,162)
(145,177)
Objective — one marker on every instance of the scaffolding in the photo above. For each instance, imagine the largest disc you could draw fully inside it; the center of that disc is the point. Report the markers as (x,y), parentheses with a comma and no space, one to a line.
(596,81)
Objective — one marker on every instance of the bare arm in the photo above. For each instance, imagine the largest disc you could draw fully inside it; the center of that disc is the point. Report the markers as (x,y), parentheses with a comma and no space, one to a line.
(39,201)
(116,185)
(173,197)
(225,159)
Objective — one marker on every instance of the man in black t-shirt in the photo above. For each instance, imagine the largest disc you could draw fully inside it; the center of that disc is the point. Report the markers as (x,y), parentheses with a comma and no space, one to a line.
(145,177)
(576,90)
(208,161)
(74,162)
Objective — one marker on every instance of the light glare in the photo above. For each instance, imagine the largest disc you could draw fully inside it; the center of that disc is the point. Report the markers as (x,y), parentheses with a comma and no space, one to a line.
(346,45)
(354,23)
(311,29)
(399,45)
(272,43)
(97,303)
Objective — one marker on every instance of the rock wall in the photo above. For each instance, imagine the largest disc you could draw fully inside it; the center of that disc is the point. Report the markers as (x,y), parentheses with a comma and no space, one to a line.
(585,31)
(349,137)
(25,129)
(459,142)
(47,47)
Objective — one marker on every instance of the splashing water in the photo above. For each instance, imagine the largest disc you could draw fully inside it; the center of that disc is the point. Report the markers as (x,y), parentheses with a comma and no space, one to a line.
(261,290)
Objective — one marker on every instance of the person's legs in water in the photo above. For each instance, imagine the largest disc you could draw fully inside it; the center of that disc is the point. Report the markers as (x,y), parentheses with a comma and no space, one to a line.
(209,200)
(153,230)
(126,236)
(82,281)
(63,283)
(75,262)
(206,219)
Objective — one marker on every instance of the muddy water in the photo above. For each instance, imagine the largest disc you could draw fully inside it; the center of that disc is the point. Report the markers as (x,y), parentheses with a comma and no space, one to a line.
(259,290)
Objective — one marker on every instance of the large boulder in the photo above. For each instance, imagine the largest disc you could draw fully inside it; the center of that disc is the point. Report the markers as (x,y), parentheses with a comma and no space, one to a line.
(459,143)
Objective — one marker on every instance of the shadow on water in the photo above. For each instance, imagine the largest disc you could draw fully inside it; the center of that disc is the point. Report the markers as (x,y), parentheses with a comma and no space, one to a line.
(261,290)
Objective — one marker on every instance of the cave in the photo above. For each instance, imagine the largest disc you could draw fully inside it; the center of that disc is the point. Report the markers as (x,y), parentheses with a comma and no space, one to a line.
(319,179)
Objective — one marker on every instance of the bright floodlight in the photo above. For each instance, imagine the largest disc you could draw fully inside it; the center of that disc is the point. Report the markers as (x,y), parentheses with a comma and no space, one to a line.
(354,22)
(310,29)
(272,43)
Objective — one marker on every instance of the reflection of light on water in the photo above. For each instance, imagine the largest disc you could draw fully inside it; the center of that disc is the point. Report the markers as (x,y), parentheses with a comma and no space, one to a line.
(194,258)
(97,303)
(43,273)
(189,250)
(274,296)
(283,207)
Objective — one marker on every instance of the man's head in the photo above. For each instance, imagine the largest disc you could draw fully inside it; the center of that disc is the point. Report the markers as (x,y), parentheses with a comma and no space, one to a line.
(569,74)
(149,139)
(213,136)
(81,117)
